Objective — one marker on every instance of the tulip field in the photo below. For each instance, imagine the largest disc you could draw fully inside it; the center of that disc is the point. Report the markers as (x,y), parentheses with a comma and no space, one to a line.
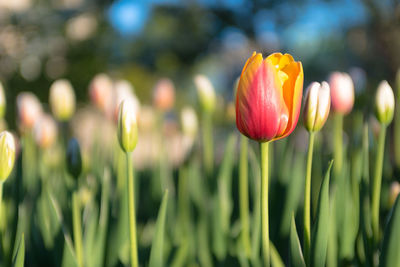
(284,174)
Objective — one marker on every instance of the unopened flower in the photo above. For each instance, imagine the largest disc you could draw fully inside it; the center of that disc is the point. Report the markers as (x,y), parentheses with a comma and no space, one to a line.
(127,126)
(45,131)
(268,98)
(394,192)
(317,106)
(62,99)
(205,92)
(384,103)
(342,92)
(7,155)
(2,101)
(190,124)
(100,90)
(164,94)
(29,110)
(74,158)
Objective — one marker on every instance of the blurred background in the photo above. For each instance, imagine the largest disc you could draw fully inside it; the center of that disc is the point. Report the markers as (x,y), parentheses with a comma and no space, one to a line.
(142,41)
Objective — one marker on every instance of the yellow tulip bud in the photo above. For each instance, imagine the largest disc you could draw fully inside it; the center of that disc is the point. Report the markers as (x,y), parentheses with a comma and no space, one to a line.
(127,126)
(62,99)
(7,154)
(189,121)
(317,106)
(206,93)
(384,103)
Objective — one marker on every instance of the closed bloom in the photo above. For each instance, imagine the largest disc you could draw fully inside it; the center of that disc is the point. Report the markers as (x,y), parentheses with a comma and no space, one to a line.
(394,192)
(74,158)
(164,94)
(384,103)
(2,101)
(127,126)
(29,109)
(7,155)
(124,90)
(62,99)
(206,93)
(268,97)
(45,131)
(317,106)
(342,92)
(100,90)
(190,124)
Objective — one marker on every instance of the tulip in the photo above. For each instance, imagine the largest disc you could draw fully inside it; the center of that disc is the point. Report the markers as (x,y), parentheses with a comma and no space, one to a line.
(127,126)
(7,155)
(2,101)
(100,91)
(268,101)
(45,131)
(62,99)
(393,192)
(268,97)
(124,90)
(164,94)
(342,92)
(317,105)
(316,111)
(384,110)
(127,137)
(206,93)
(29,110)
(384,103)
(189,121)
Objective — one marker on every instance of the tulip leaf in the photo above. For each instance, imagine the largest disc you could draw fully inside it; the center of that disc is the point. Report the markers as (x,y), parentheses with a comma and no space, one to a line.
(276,260)
(19,253)
(320,231)
(296,254)
(390,255)
(157,247)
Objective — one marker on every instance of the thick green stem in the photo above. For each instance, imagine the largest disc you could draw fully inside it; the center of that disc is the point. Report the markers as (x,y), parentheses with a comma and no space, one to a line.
(307,199)
(208,154)
(77,227)
(376,187)
(264,202)
(244,195)
(338,144)
(183,200)
(131,211)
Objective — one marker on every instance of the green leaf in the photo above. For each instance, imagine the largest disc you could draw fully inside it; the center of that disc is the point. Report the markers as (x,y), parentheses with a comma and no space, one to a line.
(156,254)
(390,255)
(276,260)
(19,253)
(320,231)
(296,254)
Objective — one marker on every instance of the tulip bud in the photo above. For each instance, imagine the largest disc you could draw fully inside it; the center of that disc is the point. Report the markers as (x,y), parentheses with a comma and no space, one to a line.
(124,90)
(62,99)
(45,131)
(74,158)
(7,154)
(29,109)
(342,92)
(164,94)
(317,105)
(189,122)
(206,93)
(2,101)
(394,192)
(100,91)
(127,126)
(384,103)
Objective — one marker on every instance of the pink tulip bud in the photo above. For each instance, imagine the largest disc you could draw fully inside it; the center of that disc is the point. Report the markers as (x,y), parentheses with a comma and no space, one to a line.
(29,110)
(317,106)
(100,91)
(164,94)
(45,131)
(394,192)
(342,92)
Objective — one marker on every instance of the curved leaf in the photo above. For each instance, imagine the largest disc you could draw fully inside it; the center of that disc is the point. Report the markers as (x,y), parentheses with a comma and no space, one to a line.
(296,254)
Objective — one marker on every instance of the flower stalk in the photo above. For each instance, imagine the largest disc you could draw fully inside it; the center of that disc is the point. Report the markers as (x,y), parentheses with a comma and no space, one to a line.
(244,195)
(338,143)
(208,143)
(264,203)
(77,227)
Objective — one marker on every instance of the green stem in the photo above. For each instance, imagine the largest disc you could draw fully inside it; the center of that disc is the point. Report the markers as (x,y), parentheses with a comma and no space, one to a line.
(338,144)
(376,187)
(264,202)
(307,200)
(208,153)
(1,202)
(244,195)
(183,200)
(77,227)
(131,211)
